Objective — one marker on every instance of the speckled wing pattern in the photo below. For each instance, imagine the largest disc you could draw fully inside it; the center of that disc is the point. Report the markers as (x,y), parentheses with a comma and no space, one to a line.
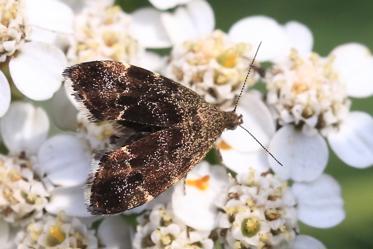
(180,129)
(115,91)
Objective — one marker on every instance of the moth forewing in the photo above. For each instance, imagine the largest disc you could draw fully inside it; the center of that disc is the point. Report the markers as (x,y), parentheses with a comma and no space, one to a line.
(180,129)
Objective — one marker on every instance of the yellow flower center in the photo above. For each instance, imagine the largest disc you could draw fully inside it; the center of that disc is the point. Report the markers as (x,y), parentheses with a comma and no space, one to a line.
(228,58)
(166,239)
(9,12)
(272,214)
(250,227)
(55,236)
(14,175)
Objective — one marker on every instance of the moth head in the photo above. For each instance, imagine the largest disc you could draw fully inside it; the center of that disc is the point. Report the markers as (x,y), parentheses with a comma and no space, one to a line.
(232,120)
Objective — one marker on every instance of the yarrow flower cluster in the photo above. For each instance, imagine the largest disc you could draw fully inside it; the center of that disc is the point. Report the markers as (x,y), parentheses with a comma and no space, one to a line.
(258,211)
(102,31)
(212,66)
(13,28)
(158,228)
(56,232)
(22,195)
(306,91)
(238,196)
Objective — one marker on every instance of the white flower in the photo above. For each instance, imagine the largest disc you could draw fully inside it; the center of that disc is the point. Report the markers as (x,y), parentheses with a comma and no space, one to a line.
(309,98)
(156,29)
(37,70)
(4,94)
(352,61)
(305,91)
(159,229)
(24,128)
(319,202)
(114,233)
(193,21)
(193,200)
(277,39)
(260,210)
(162,5)
(353,142)
(50,26)
(61,103)
(56,232)
(65,160)
(28,30)
(99,135)
(22,195)
(13,28)
(314,183)
(213,66)
(104,31)
(305,242)
(238,150)
(61,163)
(6,235)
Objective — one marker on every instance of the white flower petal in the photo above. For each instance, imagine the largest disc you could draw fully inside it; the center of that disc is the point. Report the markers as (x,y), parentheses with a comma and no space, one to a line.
(69,200)
(65,160)
(75,5)
(58,104)
(148,30)
(300,36)
(24,128)
(4,233)
(48,18)
(241,162)
(353,63)
(353,142)
(4,94)
(163,5)
(196,206)
(275,42)
(114,233)
(193,21)
(320,203)
(257,118)
(307,242)
(37,70)
(202,15)
(151,61)
(304,157)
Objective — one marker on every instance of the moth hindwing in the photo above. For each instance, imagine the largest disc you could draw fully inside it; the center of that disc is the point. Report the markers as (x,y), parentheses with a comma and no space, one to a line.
(174,129)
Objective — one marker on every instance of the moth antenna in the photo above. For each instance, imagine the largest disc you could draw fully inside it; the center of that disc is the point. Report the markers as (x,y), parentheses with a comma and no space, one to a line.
(252,135)
(239,96)
(247,76)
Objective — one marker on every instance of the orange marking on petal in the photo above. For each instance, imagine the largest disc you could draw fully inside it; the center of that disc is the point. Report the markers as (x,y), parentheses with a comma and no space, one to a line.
(199,183)
(223,145)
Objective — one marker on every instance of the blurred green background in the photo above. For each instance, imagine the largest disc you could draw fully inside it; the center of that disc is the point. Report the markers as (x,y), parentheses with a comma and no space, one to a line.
(332,22)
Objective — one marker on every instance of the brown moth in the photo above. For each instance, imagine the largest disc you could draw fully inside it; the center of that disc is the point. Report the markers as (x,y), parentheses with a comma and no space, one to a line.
(174,129)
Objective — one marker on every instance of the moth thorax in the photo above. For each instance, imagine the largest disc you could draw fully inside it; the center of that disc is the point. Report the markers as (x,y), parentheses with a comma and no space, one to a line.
(232,120)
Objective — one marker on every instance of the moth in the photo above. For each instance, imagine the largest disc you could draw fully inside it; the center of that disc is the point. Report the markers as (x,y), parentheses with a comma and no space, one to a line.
(173,127)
